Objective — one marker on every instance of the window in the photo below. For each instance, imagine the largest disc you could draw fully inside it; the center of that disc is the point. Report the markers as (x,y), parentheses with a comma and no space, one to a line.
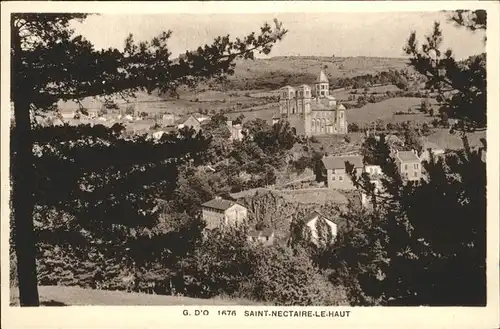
(341,178)
(415,166)
(415,174)
(406,167)
(333,177)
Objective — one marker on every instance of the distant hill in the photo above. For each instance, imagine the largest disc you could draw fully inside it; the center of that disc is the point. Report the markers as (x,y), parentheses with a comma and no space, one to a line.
(275,72)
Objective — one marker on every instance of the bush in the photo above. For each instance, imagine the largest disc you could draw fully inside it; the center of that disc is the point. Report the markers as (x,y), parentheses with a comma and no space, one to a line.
(219,265)
(313,139)
(130,110)
(353,127)
(283,277)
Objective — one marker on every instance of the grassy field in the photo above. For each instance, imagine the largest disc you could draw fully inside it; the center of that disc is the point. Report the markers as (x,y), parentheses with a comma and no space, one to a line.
(444,139)
(343,94)
(386,110)
(69,296)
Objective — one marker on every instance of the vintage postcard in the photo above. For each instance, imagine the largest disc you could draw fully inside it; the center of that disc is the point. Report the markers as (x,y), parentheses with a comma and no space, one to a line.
(250,164)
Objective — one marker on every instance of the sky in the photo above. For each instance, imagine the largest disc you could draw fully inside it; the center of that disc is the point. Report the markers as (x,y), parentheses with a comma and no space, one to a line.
(313,34)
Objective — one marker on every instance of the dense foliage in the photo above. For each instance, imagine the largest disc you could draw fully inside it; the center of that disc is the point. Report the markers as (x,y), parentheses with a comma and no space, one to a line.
(46,62)
(461,84)
(409,252)
(97,199)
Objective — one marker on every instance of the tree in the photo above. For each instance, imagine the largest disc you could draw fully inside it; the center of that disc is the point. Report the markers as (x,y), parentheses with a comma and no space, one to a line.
(222,261)
(401,83)
(284,277)
(425,105)
(412,139)
(353,127)
(414,263)
(405,258)
(375,151)
(46,62)
(461,84)
(130,110)
(239,119)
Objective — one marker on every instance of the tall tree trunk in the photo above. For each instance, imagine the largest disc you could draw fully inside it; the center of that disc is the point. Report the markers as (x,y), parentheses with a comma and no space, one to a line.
(22,171)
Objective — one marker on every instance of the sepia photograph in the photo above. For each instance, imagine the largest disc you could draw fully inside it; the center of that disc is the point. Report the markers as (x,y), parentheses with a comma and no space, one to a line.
(326,159)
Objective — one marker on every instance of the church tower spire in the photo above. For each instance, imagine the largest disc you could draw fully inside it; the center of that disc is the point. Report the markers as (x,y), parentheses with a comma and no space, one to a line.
(321,87)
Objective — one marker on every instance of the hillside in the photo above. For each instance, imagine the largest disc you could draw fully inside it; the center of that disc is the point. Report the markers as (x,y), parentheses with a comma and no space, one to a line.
(253,87)
(73,296)
(386,111)
(279,71)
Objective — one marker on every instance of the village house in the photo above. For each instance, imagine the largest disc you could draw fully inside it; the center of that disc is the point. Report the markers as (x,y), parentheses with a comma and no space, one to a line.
(158,134)
(67,115)
(92,114)
(409,165)
(168,119)
(314,220)
(373,170)
(190,122)
(431,148)
(202,118)
(264,237)
(336,174)
(218,213)
(235,130)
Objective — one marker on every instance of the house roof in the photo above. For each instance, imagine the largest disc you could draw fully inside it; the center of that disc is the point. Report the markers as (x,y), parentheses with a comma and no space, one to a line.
(338,162)
(322,77)
(219,204)
(391,139)
(313,214)
(185,118)
(407,156)
(431,145)
(267,232)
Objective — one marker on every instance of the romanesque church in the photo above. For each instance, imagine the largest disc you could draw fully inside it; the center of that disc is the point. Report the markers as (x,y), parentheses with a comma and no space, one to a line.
(312,111)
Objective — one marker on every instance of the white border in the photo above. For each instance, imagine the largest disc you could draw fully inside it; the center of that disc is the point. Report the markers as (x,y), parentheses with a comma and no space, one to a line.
(171,316)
